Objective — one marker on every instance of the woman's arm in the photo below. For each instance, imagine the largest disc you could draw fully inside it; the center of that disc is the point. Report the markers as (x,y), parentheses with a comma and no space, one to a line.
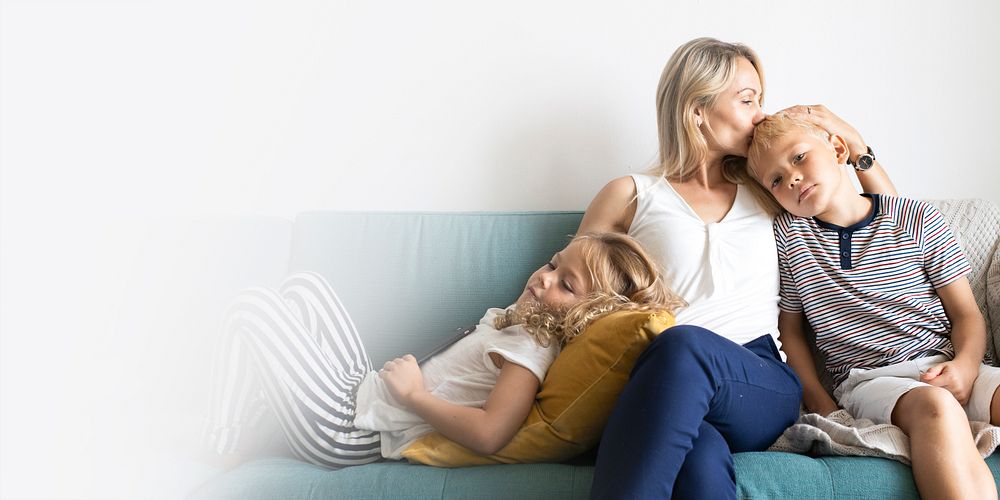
(968,335)
(800,358)
(873,180)
(483,430)
(612,209)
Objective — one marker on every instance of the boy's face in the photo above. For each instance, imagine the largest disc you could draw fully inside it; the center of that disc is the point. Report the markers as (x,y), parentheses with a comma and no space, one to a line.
(802,171)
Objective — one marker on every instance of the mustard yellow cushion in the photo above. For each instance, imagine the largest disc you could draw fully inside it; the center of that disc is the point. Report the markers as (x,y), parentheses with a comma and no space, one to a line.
(575,400)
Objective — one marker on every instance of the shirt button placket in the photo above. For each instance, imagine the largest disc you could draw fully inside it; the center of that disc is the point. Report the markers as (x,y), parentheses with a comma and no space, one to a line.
(845,250)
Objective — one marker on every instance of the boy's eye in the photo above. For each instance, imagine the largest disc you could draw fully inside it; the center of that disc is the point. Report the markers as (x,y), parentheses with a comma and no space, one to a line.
(799,157)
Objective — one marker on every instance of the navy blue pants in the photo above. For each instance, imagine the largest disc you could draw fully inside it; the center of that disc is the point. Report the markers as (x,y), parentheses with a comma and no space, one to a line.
(693,399)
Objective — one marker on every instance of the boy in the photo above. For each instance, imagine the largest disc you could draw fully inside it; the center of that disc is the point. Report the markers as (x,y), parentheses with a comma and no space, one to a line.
(881,280)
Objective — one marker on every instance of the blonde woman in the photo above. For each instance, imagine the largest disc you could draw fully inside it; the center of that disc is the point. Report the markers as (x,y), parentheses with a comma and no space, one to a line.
(701,392)
(294,351)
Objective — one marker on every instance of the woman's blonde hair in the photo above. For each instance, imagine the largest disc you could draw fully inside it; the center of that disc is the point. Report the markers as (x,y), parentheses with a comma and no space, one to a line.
(696,74)
(623,278)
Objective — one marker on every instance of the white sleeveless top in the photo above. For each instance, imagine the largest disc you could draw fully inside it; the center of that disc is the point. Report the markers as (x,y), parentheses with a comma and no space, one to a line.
(727,271)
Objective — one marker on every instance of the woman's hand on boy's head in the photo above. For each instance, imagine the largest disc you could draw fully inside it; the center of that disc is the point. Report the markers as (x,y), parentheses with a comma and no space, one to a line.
(953,375)
(818,114)
(403,378)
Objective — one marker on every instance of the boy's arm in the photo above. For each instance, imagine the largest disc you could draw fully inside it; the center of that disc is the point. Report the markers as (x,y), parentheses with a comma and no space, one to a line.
(800,358)
(968,336)
(875,180)
(483,430)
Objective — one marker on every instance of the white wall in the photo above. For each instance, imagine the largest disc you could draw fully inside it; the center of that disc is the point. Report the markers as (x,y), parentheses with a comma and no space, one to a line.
(276,107)
(113,112)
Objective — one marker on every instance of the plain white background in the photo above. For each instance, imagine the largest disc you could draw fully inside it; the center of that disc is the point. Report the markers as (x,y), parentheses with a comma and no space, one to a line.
(118,112)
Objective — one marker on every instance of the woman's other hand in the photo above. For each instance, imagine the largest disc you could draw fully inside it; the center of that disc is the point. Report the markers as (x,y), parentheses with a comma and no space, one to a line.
(403,378)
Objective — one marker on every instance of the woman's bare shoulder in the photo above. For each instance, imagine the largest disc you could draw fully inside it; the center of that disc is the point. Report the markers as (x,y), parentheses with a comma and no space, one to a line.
(612,208)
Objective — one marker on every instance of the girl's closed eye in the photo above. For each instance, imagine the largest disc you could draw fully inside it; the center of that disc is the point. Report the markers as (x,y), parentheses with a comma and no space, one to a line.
(552,265)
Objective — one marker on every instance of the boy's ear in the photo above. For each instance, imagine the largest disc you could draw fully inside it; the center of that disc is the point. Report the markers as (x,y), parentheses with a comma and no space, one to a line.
(840,148)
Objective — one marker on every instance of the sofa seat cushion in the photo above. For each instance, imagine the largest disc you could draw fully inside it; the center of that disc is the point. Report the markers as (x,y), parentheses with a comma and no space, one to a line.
(761,475)
(289,479)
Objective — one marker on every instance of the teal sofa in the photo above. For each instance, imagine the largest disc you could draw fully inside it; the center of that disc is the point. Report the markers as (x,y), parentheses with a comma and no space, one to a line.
(410,279)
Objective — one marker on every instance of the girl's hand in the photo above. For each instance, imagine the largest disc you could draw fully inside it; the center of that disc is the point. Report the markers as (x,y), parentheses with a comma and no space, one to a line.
(403,378)
(955,376)
(818,114)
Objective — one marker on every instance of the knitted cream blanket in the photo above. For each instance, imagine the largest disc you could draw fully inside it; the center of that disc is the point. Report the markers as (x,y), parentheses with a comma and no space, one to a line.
(841,434)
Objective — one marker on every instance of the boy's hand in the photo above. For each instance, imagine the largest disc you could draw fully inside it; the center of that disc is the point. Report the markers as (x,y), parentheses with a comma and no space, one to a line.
(403,378)
(953,375)
(824,408)
(817,400)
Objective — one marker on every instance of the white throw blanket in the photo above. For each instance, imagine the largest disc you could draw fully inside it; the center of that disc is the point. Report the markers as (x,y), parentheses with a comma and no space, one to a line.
(841,434)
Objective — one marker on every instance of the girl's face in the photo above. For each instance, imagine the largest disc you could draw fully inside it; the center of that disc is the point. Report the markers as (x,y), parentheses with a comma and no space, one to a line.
(560,283)
(728,124)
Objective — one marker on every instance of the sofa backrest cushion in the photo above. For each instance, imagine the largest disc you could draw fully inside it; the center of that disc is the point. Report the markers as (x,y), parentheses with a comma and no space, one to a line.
(976,225)
(409,279)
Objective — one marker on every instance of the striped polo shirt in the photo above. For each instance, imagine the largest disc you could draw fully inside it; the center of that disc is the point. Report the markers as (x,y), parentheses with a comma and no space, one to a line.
(868,290)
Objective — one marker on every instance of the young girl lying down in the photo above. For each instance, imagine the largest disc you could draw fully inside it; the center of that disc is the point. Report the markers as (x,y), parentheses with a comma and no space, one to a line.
(294,351)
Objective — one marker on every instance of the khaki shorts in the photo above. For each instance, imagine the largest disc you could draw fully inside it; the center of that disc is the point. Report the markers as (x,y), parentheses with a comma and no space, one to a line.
(873,394)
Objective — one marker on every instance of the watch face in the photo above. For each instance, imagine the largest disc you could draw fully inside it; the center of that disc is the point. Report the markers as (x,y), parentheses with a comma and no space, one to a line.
(864,162)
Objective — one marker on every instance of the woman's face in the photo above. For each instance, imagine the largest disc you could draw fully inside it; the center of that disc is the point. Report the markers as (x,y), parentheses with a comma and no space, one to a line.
(728,124)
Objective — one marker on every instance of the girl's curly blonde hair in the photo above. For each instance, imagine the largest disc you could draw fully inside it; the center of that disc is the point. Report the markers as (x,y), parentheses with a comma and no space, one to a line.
(623,278)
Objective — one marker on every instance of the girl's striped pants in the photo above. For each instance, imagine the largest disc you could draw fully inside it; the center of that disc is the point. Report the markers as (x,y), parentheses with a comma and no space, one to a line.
(295,354)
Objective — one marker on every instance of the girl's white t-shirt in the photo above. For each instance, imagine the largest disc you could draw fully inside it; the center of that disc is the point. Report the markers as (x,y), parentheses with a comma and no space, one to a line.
(727,271)
(463,374)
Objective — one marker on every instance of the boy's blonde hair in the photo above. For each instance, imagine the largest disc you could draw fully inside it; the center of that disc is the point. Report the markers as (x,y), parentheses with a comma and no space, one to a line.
(771,128)
(696,74)
(623,278)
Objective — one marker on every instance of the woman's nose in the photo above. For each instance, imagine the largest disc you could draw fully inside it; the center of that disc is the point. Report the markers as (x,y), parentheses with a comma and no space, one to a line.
(759,117)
